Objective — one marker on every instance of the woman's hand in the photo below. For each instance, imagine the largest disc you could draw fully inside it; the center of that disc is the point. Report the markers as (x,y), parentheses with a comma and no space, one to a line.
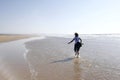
(69,42)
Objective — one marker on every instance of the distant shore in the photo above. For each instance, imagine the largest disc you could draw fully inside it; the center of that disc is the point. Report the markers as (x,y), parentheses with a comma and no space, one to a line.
(12,37)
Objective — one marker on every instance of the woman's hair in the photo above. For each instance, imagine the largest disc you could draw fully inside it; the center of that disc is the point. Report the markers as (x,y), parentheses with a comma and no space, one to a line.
(76,35)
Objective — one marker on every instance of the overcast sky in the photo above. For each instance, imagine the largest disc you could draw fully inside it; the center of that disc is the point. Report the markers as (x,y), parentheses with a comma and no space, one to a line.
(60,16)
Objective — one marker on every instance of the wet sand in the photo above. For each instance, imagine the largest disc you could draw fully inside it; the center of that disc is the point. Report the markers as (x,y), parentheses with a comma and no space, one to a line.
(13,65)
(53,59)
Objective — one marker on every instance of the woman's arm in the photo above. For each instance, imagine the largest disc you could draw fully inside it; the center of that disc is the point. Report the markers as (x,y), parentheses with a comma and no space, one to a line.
(71,41)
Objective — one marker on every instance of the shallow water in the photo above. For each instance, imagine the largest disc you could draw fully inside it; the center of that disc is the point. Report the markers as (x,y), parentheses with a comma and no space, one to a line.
(56,59)
(13,65)
(53,59)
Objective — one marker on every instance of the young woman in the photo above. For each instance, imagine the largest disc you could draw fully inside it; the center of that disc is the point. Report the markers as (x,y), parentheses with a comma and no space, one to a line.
(77,45)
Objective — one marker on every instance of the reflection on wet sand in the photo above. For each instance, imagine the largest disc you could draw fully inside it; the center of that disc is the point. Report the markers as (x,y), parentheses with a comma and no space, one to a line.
(77,70)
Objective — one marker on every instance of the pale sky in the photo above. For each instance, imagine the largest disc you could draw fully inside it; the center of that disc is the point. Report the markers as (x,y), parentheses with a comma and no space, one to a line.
(60,16)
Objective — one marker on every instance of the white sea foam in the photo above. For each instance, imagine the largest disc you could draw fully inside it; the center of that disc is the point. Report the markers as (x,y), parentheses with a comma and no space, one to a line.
(31,67)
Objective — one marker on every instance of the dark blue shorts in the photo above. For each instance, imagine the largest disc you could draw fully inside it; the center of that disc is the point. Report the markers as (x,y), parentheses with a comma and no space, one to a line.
(77,46)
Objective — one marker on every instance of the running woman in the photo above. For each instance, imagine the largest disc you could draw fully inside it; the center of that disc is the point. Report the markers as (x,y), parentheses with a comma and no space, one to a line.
(77,45)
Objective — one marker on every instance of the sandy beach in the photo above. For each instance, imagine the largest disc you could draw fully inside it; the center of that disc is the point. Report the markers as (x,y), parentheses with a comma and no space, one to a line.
(51,58)
(12,37)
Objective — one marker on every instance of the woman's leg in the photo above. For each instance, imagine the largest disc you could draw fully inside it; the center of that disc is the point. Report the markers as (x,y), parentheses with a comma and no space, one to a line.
(79,45)
(76,49)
